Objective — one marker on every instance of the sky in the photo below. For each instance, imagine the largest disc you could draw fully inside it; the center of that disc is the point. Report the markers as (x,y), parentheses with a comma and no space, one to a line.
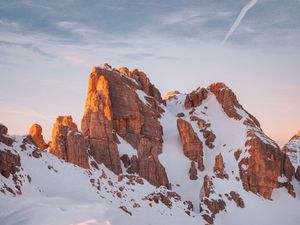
(48,48)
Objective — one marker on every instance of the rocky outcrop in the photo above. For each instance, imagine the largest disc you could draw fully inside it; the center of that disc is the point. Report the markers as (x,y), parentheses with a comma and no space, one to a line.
(3,129)
(192,146)
(219,168)
(68,143)
(214,206)
(36,134)
(260,173)
(195,98)
(227,99)
(193,171)
(209,138)
(9,163)
(124,102)
(171,95)
(236,198)
(229,102)
(4,138)
(292,150)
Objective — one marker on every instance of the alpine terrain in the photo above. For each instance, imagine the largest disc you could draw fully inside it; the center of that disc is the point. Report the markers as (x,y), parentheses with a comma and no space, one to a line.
(137,158)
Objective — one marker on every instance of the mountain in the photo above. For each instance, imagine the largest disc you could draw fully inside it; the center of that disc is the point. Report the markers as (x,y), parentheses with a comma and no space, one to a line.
(292,149)
(197,158)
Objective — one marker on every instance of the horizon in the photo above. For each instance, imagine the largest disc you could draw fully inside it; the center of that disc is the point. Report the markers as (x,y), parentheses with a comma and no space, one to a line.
(251,46)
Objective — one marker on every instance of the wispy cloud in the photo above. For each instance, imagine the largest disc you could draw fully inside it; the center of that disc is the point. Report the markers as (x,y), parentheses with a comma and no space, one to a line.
(8,24)
(29,46)
(239,19)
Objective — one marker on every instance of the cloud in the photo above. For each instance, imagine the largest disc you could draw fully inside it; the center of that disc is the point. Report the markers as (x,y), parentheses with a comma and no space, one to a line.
(239,19)
(8,24)
(29,46)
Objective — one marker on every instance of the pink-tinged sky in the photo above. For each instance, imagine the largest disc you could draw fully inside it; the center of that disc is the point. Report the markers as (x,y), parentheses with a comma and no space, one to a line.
(48,49)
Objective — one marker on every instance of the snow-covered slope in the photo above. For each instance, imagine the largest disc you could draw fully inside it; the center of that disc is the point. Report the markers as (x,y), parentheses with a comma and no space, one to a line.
(292,149)
(231,134)
(55,192)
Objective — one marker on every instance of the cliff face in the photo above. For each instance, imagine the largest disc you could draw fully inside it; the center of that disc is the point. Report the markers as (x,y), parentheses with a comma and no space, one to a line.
(124,103)
(292,150)
(68,143)
(36,134)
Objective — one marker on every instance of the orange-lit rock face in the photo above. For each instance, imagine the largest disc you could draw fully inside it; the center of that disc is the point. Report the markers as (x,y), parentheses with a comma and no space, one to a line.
(96,123)
(195,98)
(219,168)
(36,133)
(226,98)
(171,94)
(192,146)
(260,172)
(114,107)
(68,143)
(143,82)
(229,102)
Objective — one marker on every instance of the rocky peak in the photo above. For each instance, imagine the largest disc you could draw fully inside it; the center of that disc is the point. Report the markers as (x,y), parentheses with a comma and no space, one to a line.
(227,99)
(143,81)
(170,95)
(125,103)
(35,132)
(229,103)
(292,150)
(4,138)
(68,143)
(195,98)
(3,129)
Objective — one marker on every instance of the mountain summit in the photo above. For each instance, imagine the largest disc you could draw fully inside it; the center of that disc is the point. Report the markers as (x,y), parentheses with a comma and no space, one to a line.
(196,158)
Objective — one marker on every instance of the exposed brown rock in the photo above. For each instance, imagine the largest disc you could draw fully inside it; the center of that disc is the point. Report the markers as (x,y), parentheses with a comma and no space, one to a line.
(113,106)
(192,146)
(180,114)
(292,150)
(9,163)
(144,82)
(214,206)
(229,103)
(126,160)
(124,208)
(209,138)
(219,168)
(134,165)
(260,172)
(68,143)
(3,129)
(36,134)
(166,198)
(170,95)
(195,98)
(227,99)
(4,138)
(237,154)
(193,171)
(208,187)
(200,122)
(237,199)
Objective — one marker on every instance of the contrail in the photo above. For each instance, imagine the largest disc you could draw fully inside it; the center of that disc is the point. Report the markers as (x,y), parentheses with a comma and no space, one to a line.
(239,19)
